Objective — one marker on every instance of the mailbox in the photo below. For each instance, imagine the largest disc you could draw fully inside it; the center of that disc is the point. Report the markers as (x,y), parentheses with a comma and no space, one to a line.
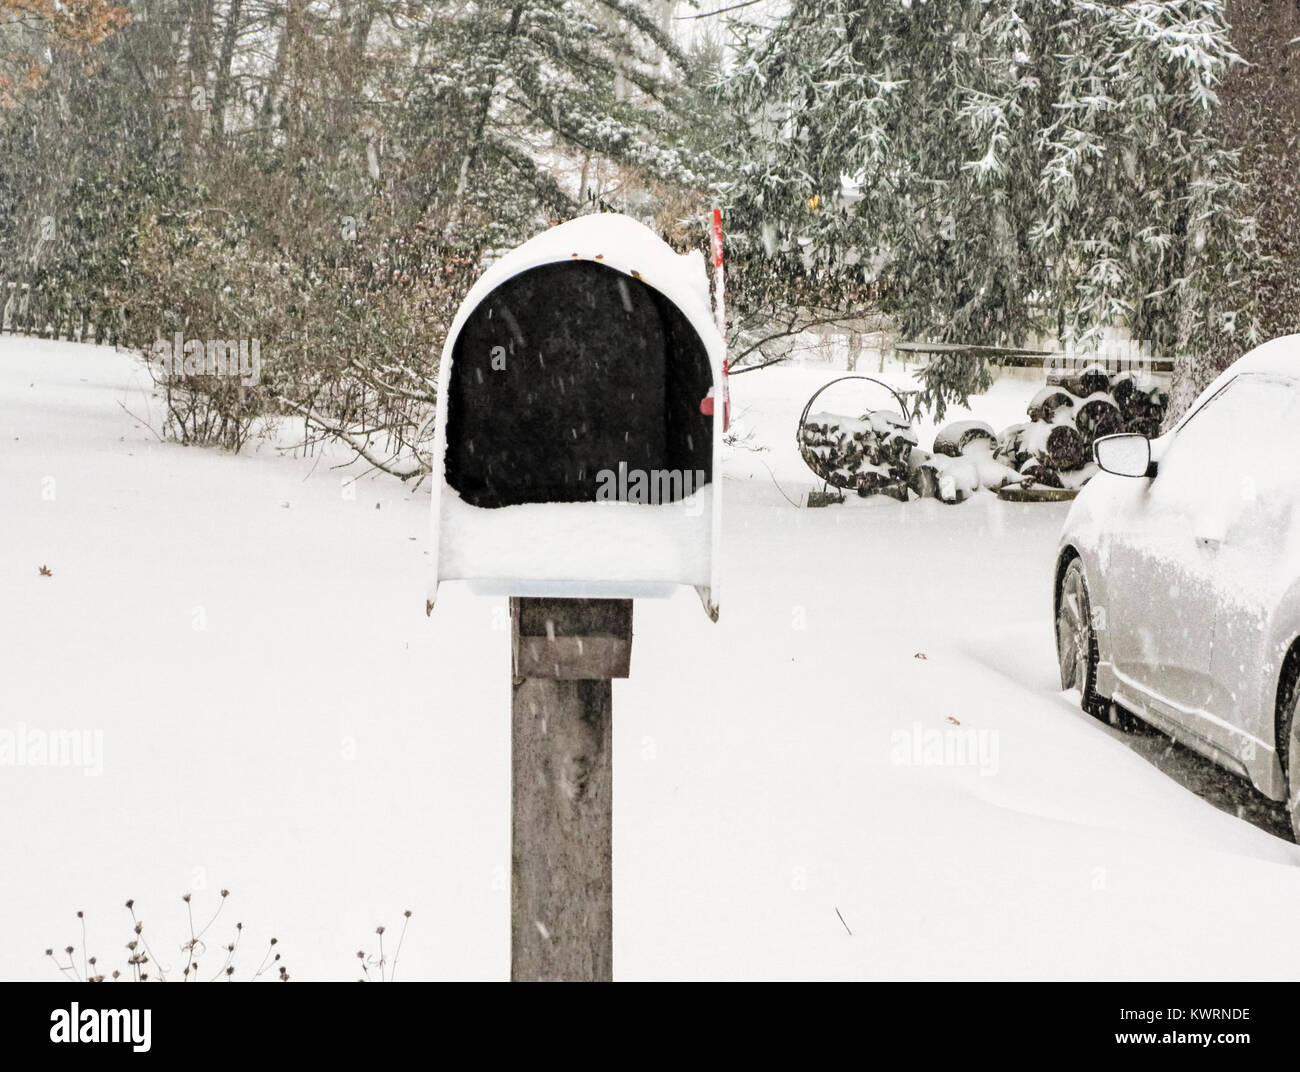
(577,446)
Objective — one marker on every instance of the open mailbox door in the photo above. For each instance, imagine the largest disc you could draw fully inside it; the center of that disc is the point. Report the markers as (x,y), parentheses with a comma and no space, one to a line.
(575,453)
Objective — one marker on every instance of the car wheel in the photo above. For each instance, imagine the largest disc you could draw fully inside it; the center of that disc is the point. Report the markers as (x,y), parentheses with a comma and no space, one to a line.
(1290,753)
(1076,646)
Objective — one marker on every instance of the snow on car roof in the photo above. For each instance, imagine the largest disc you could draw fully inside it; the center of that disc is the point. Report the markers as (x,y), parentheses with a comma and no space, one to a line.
(1280,356)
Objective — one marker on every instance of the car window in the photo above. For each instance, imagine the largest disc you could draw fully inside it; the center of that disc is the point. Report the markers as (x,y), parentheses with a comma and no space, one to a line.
(1244,440)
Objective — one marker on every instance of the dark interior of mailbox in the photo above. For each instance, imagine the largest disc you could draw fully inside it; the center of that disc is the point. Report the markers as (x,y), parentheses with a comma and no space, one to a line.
(568,370)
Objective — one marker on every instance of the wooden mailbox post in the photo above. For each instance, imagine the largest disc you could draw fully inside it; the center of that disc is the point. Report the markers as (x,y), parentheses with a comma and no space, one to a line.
(566,653)
(576,455)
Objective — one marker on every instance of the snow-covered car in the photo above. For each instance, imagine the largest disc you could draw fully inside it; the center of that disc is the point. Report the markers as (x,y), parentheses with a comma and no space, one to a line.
(1178,576)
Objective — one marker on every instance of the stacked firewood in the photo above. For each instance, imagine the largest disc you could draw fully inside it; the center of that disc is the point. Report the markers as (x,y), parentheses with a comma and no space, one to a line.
(868,454)
(964,460)
(1076,408)
(1143,403)
(878,452)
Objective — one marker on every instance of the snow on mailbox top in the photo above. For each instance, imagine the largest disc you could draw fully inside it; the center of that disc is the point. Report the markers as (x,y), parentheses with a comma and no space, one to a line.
(572,454)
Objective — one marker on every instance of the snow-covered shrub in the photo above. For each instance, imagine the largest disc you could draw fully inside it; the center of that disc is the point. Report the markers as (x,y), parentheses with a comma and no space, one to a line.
(348,345)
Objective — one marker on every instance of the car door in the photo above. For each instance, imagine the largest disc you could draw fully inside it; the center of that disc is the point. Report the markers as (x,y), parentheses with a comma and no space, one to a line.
(1163,569)
(1255,564)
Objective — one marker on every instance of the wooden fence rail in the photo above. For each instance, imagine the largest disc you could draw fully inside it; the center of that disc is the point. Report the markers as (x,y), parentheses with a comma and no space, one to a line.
(1021,358)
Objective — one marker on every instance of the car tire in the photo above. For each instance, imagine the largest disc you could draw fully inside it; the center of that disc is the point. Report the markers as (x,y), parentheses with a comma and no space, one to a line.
(1289,752)
(1076,648)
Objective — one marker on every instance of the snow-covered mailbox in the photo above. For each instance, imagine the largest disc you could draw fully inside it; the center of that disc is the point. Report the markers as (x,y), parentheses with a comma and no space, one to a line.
(576,452)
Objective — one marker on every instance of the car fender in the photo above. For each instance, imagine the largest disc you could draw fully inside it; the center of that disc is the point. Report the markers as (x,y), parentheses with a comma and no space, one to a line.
(1103,508)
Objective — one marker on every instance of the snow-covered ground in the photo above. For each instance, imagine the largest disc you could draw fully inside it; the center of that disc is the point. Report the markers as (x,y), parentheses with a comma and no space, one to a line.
(278,717)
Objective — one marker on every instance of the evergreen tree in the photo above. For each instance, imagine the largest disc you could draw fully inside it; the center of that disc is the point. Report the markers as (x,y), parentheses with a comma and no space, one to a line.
(1000,170)
(556,107)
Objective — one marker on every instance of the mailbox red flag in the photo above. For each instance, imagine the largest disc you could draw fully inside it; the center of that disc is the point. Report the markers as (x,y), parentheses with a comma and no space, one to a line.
(720,313)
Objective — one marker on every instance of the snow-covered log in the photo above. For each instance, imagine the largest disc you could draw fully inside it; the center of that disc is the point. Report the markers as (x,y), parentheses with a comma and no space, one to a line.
(1146,426)
(923,475)
(1036,473)
(1081,381)
(1143,403)
(1045,404)
(955,438)
(954,479)
(1010,449)
(1058,446)
(1098,416)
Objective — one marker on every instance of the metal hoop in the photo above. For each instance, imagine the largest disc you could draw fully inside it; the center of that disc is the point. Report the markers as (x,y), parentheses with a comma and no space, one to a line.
(803,417)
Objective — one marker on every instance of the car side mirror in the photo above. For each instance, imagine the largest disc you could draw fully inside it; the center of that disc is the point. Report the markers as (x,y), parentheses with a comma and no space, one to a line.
(1125,454)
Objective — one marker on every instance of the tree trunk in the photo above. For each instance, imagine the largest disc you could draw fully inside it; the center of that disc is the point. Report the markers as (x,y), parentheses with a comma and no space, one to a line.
(281,71)
(221,91)
(200,53)
(1190,365)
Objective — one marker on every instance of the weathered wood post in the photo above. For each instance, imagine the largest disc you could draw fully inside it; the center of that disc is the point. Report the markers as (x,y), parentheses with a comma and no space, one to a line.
(565,654)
